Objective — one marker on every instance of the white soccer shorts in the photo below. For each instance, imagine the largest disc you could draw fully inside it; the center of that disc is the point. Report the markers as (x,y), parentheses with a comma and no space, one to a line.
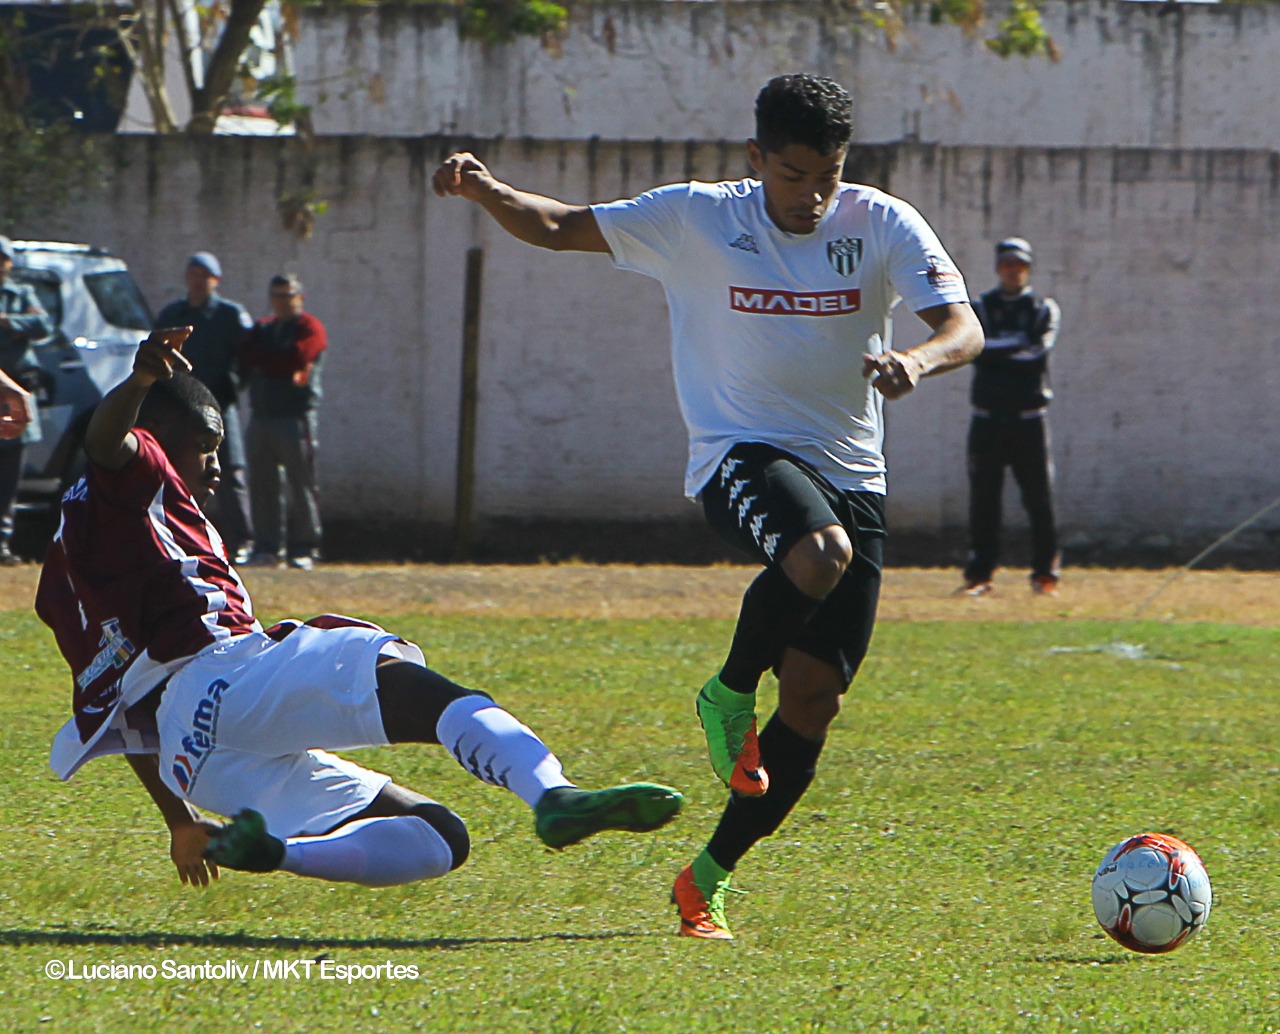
(245,724)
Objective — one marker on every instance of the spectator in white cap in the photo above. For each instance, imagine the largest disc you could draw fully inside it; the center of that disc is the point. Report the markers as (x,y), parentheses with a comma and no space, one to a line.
(218,327)
(1010,424)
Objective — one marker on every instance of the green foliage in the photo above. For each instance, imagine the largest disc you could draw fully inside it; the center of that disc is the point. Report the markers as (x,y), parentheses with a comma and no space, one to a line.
(42,168)
(501,21)
(965,13)
(936,876)
(1022,33)
(280,94)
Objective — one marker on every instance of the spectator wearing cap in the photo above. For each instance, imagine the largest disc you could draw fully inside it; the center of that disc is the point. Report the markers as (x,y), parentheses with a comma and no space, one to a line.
(218,327)
(1010,425)
(23,325)
(280,361)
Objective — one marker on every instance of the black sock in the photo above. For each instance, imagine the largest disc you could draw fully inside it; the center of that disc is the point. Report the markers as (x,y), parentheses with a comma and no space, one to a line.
(773,611)
(790,760)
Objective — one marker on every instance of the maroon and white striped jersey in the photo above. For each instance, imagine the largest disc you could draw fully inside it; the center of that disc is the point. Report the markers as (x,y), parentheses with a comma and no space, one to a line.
(136,582)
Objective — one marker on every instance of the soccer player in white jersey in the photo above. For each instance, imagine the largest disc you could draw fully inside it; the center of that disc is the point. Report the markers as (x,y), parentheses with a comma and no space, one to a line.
(171,668)
(779,288)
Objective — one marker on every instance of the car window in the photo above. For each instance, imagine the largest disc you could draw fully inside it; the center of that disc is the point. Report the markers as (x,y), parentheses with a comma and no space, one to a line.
(118,299)
(48,289)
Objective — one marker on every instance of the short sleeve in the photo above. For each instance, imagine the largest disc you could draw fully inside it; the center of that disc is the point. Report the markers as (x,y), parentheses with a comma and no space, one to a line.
(920,270)
(644,233)
(137,482)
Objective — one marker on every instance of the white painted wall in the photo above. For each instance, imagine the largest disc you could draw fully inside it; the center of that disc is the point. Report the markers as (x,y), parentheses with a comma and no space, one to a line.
(1163,262)
(1130,75)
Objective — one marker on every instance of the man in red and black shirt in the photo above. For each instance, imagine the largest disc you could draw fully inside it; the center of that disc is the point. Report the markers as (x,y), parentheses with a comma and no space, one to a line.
(172,669)
(280,360)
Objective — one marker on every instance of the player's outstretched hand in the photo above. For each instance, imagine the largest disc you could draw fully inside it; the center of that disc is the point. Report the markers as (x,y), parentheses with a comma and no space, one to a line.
(16,405)
(896,373)
(462,174)
(161,353)
(187,844)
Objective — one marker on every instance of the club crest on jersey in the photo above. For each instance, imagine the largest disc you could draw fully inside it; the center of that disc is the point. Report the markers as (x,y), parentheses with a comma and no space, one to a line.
(845,254)
(115,653)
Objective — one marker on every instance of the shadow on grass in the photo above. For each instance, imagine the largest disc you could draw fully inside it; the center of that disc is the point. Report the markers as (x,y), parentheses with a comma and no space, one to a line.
(161,939)
(1085,960)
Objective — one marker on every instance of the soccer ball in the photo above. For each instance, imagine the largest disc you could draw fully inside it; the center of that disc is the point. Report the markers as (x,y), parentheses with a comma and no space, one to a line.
(1151,893)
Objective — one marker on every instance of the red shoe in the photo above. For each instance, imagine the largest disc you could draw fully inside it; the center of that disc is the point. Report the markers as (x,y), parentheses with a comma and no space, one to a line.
(1045,585)
(700,917)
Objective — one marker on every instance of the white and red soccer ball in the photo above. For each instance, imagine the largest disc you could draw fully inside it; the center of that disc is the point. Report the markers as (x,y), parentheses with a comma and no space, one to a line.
(1151,893)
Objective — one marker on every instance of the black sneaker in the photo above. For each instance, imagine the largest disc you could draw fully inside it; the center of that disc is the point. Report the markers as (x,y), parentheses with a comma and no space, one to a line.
(245,844)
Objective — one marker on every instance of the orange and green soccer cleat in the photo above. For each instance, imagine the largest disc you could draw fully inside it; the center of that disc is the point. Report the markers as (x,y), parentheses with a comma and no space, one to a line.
(701,916)
(729,720)
(567,815)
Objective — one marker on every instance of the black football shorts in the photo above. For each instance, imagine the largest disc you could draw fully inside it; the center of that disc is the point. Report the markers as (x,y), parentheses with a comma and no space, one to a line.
(763,500)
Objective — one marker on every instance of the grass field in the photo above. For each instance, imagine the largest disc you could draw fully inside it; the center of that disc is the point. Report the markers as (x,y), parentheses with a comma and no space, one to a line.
(936,878)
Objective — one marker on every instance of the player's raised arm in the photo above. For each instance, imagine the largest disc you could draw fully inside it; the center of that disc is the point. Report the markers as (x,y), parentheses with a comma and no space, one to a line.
(541,221)
(956,340)
(109,441)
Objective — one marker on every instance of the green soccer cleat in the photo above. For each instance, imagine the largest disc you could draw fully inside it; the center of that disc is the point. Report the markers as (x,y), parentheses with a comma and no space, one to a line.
(729,720)
(567,815)
(245,844)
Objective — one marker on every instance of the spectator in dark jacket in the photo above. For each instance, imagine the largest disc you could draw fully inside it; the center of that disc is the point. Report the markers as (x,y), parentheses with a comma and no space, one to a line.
(1010,425)
(280,360)
(23,322)
(218,327)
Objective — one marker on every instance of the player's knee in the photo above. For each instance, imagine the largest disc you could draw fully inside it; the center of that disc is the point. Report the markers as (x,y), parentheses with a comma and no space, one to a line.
(817,562)
(452,830)
(411,699)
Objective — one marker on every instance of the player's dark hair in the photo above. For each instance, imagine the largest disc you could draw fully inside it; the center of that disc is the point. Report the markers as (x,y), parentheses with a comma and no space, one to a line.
(182,397)
(804,109)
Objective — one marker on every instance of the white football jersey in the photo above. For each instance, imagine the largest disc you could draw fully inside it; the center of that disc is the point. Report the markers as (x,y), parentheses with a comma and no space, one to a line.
(768,328)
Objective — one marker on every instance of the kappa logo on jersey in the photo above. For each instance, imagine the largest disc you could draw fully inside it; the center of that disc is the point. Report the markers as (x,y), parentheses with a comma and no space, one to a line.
(115,653)
(940,275)
(845,254)
(202,738)
(746,242)
(795,303)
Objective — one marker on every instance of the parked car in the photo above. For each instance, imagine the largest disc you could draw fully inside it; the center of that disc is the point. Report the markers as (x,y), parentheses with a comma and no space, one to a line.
(100,316)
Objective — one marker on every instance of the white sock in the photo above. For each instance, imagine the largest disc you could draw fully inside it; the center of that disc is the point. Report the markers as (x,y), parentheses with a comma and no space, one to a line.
(495,748)
(380,852)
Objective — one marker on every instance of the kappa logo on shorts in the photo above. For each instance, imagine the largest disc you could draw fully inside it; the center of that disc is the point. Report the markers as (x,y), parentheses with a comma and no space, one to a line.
(726,470)
(768,541)
(203,737)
